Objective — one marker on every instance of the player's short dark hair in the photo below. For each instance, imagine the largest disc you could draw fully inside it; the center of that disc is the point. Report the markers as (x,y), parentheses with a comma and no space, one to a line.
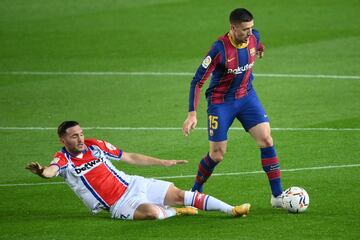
(240,15)
(64,126)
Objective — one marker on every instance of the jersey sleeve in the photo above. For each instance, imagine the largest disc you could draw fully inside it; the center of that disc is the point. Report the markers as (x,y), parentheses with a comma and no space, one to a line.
(259,45)
(203,72)
(60,161)
(111,152)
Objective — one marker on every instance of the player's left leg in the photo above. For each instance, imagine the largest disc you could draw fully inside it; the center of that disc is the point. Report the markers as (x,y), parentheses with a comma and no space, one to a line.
(153,212)
(255,121)
(269,159)
(175,196)
(144,199)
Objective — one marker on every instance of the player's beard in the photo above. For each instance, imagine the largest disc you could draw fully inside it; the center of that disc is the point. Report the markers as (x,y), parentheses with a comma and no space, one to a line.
(76,149)
(80,147)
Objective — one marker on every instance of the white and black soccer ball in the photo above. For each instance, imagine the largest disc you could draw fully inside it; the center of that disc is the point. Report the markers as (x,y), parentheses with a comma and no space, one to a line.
(295,199)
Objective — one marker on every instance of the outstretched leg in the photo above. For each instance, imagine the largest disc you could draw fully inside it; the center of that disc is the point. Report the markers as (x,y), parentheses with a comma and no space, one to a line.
(203,202)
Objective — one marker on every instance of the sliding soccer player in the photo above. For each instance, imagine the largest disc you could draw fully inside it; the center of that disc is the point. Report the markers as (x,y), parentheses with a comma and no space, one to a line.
(86,167)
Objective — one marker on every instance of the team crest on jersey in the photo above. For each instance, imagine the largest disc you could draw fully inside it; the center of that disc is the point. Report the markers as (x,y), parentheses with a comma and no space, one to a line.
(211,132)
(96,152)
(206,62)
(252,52)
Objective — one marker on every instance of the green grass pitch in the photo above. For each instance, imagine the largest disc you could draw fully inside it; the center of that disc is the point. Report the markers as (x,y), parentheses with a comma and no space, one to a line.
(315,120)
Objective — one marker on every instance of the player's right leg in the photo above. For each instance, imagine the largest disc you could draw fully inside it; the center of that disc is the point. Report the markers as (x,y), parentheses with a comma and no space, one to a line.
(220,118)
(209,203)
(208,164)
(175,196)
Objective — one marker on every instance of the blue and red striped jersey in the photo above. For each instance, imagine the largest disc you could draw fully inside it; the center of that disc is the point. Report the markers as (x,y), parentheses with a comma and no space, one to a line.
(231,69)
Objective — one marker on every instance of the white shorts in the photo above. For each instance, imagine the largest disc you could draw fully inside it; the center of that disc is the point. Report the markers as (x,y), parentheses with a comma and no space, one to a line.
(141,190)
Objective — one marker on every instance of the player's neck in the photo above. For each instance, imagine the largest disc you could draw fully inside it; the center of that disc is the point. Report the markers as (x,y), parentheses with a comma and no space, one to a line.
(234,42)
(76,153)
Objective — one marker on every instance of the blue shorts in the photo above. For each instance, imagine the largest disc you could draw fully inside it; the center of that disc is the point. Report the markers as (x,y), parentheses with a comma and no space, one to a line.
(248,110)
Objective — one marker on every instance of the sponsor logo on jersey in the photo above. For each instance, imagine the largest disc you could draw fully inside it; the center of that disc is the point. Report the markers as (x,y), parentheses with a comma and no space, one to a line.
(206,62)
(86,167)
(242,69)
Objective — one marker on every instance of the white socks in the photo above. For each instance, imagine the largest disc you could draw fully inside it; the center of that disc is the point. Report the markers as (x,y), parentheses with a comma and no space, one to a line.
(206,202)
(165,212)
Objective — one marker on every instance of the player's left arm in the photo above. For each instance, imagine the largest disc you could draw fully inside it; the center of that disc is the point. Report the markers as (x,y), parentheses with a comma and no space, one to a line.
(260,49)
(140,159)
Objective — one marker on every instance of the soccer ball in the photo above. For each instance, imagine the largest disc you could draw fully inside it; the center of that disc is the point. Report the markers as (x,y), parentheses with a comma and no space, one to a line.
(295,199)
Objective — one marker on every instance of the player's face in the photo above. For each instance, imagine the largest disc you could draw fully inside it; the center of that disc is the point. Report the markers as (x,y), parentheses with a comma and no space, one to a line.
(242,31)
(73,140)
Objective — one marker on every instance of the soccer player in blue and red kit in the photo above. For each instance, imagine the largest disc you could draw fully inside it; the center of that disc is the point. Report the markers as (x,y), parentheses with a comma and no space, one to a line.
(231,95)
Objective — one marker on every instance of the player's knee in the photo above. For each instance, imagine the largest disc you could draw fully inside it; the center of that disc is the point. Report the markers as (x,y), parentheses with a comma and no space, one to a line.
(179,197)
(217,155)
(266,141)
(152,213)
(174,196)
(146,212)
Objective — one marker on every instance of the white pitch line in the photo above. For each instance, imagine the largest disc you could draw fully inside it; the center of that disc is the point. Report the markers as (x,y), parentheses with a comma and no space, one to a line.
(276,75)
(192,176)
(260,172)
(172,129)
(29,184)
(89,73)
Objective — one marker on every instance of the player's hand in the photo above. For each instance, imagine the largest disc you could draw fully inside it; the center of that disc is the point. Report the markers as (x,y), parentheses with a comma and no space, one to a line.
(261,50)
(190,123)
(35,168)
(169,163)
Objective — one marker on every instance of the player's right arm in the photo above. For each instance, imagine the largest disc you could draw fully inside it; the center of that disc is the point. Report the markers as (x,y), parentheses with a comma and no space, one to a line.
(43,171)
(208,65)
(189,123)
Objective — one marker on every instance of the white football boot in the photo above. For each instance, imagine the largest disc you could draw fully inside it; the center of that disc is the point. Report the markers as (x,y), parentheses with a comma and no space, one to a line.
(276,202)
